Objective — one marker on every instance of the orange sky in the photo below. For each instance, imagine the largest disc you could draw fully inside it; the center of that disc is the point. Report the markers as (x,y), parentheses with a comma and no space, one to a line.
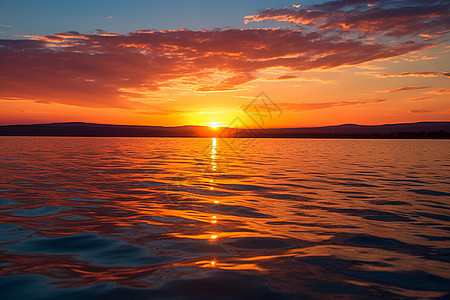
(319,66)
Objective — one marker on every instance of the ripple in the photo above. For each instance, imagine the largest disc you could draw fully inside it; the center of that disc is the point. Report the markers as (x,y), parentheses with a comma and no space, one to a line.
(244,187)
(376,215)
(7,202)
(194,246)
(436,216)
(40,211)
(90,246)
(430,192)
(240,211)
(411,280)
(258,243)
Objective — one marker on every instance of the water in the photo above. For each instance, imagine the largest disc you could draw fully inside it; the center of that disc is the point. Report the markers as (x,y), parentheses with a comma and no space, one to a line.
(172,218)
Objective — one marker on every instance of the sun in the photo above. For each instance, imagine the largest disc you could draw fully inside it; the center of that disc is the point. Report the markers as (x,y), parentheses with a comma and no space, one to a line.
(214,125)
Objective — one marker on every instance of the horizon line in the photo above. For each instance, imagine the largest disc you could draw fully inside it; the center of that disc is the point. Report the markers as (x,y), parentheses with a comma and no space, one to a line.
(208,126)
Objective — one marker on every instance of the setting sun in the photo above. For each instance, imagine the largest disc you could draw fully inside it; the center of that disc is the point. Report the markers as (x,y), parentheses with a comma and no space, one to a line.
(214,125)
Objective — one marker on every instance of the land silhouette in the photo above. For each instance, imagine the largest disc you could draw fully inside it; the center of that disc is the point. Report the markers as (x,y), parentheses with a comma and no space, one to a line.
(401,130)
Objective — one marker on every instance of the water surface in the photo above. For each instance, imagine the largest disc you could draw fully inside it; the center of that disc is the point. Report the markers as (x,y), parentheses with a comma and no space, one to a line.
(174,218)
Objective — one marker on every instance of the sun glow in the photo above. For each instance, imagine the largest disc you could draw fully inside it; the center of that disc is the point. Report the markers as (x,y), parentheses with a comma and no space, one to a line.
(214,125)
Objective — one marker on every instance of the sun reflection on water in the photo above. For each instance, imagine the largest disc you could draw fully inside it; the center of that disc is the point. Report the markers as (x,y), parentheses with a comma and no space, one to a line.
(214,166)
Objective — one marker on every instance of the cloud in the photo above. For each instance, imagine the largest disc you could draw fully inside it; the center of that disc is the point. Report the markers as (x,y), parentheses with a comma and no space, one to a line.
(405,88)
(288,77)
(296,78)
(371,67)
(104,69)
(299,107)
(6,26)
(392,18)
(299,78)
(418,74)
(419,111)
(419,98)
(442,91)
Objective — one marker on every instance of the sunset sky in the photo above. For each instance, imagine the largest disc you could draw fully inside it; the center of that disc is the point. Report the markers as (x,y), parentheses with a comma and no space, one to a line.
(175,63)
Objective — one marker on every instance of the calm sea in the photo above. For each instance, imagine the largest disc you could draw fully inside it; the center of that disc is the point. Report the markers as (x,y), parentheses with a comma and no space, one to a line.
(174,218)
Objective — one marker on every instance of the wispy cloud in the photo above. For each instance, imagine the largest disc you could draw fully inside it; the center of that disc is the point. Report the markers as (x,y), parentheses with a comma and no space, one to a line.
(371,67)
(417,74)
(419,98)
(419,111)
(283,77)
(405,88)
(442,91)
(6,26)
(296,78)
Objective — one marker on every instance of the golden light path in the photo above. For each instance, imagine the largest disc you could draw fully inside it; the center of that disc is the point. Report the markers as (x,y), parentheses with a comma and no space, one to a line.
(213,153)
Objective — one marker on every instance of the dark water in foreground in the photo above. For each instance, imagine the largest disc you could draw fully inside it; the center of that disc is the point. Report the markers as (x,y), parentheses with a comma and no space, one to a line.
(150,218)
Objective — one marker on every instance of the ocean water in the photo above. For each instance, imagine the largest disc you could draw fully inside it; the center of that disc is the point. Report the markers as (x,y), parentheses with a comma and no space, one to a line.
(175,218)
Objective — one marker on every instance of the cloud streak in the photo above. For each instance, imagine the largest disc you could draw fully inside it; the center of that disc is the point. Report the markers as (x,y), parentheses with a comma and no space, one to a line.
(419,111)
(419,98)
(405,88)
(442,91)
(417,74)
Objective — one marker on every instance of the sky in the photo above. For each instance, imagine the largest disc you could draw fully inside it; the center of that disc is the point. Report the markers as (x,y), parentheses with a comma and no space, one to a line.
(173,63)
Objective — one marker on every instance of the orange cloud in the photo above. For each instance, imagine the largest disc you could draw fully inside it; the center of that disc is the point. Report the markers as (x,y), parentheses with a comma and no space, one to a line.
(406,88)
(121,70)
(419,111)
(442,91)
(418,74)
(287,77)
(419,98)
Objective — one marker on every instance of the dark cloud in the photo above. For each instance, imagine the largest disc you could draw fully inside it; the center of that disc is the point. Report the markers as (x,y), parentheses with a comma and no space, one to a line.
(394,18)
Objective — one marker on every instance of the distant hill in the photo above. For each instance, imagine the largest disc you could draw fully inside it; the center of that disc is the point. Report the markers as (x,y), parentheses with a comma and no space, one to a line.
(92,129)
(403,130)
